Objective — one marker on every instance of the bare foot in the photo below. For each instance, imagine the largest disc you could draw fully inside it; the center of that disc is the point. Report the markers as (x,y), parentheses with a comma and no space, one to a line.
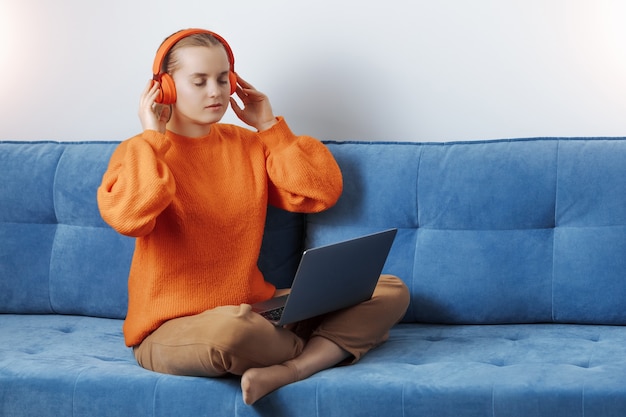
(258,382)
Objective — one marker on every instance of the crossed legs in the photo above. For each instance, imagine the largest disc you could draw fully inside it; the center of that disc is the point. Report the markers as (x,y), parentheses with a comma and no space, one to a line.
(318,354)
(233,339)
(333,338)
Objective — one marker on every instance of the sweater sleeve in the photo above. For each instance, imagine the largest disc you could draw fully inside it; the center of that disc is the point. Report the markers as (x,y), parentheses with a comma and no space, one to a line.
(137,185)
(303,174)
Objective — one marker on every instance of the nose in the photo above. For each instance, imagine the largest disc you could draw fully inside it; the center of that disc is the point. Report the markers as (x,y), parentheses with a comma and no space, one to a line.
(212,88)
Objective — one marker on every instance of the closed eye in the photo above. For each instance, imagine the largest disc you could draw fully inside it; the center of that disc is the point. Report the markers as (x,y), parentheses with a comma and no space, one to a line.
(200,79)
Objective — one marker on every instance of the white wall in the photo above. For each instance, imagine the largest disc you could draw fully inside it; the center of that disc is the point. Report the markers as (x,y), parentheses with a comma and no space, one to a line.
(422,70)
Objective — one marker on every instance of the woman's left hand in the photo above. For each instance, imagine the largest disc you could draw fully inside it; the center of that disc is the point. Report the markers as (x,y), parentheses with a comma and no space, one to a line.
(256,111)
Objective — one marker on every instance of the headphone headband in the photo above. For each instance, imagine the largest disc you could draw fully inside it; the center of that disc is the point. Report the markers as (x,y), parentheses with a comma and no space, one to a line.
(173,39)
(168,90)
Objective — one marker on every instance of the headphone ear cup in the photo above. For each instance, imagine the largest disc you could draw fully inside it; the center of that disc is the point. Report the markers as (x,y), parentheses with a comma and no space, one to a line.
(232,77)
(168,90)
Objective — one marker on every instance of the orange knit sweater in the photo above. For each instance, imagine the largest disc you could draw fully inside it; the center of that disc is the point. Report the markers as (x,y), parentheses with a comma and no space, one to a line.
(197,207)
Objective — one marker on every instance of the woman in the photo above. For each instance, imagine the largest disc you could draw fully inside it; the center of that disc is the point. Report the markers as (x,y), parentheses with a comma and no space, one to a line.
(194,193)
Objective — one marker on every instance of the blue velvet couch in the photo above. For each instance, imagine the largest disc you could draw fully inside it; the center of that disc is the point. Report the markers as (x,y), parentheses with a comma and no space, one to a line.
(514,252)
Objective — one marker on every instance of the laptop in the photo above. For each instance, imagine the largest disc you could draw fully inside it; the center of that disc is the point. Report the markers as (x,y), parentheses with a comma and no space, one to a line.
(330,278)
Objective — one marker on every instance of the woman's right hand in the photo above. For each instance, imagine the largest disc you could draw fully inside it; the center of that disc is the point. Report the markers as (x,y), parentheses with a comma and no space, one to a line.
(153,116)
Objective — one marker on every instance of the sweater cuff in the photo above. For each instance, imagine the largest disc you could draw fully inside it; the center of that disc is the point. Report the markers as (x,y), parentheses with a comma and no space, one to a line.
(278,135)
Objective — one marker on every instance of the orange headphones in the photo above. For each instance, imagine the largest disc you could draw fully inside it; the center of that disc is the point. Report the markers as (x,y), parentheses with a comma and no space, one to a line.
(168,89)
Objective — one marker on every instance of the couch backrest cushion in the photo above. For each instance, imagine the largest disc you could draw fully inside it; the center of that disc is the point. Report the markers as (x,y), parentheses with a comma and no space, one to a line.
(57,255)
(490,232)
(60,255)
(512,231)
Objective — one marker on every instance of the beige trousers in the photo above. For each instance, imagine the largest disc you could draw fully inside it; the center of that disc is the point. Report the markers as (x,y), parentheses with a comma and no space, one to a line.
(232,339)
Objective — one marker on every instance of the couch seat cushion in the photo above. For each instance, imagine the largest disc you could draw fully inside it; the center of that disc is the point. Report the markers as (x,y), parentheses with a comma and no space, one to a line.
(79,366)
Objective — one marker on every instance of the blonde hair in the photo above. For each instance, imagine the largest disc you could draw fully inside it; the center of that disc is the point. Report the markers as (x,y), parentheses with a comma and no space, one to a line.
(170,62)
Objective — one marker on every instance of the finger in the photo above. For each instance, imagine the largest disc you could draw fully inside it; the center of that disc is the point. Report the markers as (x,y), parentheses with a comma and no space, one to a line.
(149,93)
(151,98)
(144,94)
(253,96)
(154,91)
(153,86)
(235,106)
(147,88)
(244,83)
(241,93)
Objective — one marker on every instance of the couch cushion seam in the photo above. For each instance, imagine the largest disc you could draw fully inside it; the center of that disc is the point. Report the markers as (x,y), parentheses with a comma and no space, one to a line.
(56,230)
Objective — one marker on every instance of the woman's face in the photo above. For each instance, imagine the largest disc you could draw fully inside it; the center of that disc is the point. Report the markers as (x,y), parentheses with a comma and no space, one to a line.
(202,89)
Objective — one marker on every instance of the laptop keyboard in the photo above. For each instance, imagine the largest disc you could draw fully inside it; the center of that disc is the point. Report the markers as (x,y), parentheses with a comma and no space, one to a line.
(273,315)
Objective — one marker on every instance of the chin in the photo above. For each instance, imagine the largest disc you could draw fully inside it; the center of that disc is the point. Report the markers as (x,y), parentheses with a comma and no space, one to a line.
(208,120)
(214,118)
